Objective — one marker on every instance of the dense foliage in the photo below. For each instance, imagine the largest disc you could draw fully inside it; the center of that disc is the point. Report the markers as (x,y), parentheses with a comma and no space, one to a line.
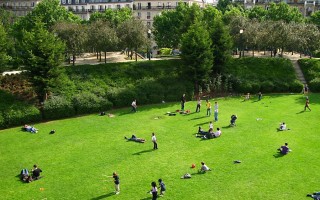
(311,71)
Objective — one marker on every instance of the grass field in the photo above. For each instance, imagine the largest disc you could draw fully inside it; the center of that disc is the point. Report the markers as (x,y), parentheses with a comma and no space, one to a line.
(83,149)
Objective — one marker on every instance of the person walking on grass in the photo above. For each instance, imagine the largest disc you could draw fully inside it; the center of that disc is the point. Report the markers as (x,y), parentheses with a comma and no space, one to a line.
(154,191)
(208,105)
(307,104)
(116,181)
(154,140)
(162,187)
(216,110)
(134,106)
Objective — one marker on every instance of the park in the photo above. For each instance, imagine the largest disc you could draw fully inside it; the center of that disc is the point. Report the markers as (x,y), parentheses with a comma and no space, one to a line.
(83,149)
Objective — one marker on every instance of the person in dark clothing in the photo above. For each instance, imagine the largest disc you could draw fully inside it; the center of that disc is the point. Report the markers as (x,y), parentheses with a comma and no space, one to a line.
(135,139)
(307,104)
(183,101)
(162,187)
(36,172)
(284,149)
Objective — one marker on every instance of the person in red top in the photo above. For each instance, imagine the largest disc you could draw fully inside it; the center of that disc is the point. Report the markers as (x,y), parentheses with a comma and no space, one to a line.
(307,104)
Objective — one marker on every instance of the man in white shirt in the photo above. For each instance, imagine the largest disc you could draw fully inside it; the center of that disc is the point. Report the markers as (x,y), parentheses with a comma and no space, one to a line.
(154,140)
(134,106)
(204,168)
(217,133)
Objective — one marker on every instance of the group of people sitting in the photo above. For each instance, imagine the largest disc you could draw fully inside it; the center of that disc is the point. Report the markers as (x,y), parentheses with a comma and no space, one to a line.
(30,129)
(26,177)
(208,134)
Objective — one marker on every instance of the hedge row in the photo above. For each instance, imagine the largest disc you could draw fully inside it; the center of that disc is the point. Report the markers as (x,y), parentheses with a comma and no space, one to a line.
(14,112)
(311,71)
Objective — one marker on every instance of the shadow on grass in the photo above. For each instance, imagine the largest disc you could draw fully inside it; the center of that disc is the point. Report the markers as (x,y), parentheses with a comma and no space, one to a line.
(200,124)
(144,151)
(302,111)
(104,196)
(198,118)
(147,198)
(278,155)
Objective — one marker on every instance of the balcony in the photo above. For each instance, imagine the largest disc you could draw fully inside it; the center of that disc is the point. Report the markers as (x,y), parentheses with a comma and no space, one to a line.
(153,7)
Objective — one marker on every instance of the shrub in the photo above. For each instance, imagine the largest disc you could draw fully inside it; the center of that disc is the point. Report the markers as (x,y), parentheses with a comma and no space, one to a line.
(90,103)
(296,86)
(280,86)
(165,51)
(2,121)
(57,107)
(267,86)
(19,113)
(315,85)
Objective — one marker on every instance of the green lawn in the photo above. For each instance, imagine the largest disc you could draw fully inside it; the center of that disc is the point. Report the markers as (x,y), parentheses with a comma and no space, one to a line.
(74,159)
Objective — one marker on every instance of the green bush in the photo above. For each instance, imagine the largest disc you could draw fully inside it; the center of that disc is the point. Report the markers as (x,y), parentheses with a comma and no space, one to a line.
(165,51)
(267,87)
(90,103)
(58,107)
(315,84)
(2,121)
(296,86)
(19,114)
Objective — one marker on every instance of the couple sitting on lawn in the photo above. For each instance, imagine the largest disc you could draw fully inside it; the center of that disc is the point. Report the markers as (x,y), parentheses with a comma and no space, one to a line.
(208,135)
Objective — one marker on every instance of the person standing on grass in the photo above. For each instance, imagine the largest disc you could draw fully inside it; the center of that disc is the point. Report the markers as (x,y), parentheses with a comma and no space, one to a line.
(307,104)
(116,181)
(134,106)
(154,140)
(208,105)
(259,96)
(154,190)
(162,187)
(198,104)
(183,101)
(216,110)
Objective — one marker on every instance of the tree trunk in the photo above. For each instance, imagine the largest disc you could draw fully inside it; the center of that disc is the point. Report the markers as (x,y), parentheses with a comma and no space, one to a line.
(136,55)
(105,57)
(100,56)
(73,59)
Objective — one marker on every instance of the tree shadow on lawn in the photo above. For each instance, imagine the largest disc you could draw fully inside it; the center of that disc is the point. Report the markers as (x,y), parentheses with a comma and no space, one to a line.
(278,155)
(104,196)
(144,151)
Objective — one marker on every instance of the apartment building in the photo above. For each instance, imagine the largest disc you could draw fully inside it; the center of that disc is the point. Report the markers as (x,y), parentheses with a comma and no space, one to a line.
(19,7)
(306,7)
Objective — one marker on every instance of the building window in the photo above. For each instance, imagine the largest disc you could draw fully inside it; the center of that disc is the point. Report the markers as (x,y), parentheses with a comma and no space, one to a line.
(139,6)
(83,1)
(76,1)
(139,15)
(32,4)
(149,5)
(148,15)
(168,4)
(118,6)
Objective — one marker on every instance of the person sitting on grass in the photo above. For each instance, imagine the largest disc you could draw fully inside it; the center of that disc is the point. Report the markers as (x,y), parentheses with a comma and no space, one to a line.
(217,133)
(135,139)
(283,127)
(29,128)
(204,168)
(36,172)
(315,196)
(284,149)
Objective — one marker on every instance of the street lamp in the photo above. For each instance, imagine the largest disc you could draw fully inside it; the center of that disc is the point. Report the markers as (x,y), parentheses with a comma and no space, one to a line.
(241,43)
(148,51)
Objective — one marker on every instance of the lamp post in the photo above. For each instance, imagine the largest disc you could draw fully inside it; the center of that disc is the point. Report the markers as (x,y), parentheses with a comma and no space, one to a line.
(241,42)
(148,51)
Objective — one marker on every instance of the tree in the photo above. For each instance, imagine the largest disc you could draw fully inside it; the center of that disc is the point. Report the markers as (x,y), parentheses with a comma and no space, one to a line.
(103,37)
(223,5)
(42,53)
(315,18)
(114,17)
(257,12)
(74,35)
(197,54)
(284,12)
(4,57)
(133,35)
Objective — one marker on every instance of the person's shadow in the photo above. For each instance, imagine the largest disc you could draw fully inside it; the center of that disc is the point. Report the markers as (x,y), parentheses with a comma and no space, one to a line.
(147,198)
(278,155)
(144,151)
(104,196)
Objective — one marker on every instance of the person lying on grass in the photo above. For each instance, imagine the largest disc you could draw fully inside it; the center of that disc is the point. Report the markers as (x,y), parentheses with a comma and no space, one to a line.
(284,149)
(315,196)
(210,134)
(204,168)
(135,139)
(29,128)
